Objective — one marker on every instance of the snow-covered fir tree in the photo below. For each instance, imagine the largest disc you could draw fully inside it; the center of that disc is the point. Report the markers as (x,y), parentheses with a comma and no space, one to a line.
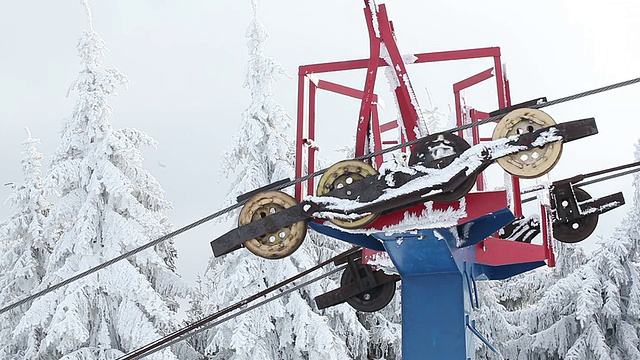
(290,327)
(435,119)
(23,250)
(594,311)
(108,204)
(499,300)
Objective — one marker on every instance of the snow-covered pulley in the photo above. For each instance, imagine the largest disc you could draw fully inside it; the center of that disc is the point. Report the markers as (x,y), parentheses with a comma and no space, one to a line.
(276,244)
(438,151)
(530,163)
(369,300)
(342,174)
(579,228)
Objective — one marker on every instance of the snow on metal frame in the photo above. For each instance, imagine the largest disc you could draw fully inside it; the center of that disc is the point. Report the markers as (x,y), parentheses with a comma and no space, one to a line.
(469,161)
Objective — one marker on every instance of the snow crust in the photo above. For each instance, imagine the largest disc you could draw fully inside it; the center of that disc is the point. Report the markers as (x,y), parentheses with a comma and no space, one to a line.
(600,209)
(467,162)
(374,14)
(290,327)
(382,261)
(429,218)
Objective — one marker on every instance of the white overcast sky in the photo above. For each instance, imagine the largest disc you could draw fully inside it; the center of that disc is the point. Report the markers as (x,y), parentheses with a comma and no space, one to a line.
(185,62)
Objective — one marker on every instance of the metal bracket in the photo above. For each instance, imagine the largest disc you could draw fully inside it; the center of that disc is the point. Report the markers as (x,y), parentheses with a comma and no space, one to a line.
(365,279)
(521,229)
(471,287)
(567,208)
(471,325)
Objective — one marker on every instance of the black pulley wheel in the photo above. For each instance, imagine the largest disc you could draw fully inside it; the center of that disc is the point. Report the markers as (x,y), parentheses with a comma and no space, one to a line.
(371,300)
(458,193)
(579,229)
(438,151)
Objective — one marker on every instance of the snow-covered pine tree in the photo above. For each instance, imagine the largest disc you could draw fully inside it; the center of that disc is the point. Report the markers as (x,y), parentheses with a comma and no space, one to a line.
(23,250)
(435,119)
(287,328)
(594,312)
(499,300)
(108,204)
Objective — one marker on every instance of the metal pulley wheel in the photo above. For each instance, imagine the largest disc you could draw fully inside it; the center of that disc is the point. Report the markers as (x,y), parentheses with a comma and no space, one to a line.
(371,300)
(530,163)
(438,151)
(279,243)
(340,175)
(578,229)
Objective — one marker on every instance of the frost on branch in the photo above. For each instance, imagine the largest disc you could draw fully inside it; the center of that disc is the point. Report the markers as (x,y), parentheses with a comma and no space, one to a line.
(289,327)
(593,311)
(108,204)
(23,251)
(262,150)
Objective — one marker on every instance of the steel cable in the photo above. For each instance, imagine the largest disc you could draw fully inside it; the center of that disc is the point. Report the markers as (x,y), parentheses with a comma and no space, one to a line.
(90,271)
(582,183)
(118,258)
(608,177)
(187,332)
(587,93)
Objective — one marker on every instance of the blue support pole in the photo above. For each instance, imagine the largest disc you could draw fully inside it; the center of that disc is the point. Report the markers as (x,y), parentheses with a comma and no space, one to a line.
(438,270)
(434,308)
(436,267)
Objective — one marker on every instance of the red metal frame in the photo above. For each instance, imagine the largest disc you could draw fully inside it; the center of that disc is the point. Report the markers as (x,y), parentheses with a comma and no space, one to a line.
(367,119)
(368,108)
(368,126)
(504,100)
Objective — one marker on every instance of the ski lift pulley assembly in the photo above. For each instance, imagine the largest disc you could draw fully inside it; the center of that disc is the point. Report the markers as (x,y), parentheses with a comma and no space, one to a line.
(355,196)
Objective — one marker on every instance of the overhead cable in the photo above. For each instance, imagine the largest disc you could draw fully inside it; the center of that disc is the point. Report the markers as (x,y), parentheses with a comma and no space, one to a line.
(90,271)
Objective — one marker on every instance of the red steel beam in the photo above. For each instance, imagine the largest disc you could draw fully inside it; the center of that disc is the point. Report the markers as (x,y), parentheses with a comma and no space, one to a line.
(407,102)
(365,113)
(458,54)
(377,138)
(463,84)
(389,126)
(299,136)
(421,58)
(340,89)
(472,80)
(312,136)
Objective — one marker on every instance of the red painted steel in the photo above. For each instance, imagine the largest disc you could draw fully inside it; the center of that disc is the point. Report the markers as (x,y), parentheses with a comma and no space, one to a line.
(364,118)
(472,80)
(376,133)
(405,95)
(420,58)
(493,251)
(457,88)
(475,131)
(369,129)
(475,205)
(547,239)
(312,136)
(299,136)
(389,126)
(458,54)
(343,90)
(504,100)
